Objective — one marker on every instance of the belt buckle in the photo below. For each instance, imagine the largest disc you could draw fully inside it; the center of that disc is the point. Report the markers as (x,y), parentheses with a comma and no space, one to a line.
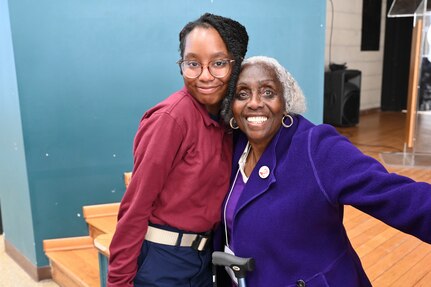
(196,245)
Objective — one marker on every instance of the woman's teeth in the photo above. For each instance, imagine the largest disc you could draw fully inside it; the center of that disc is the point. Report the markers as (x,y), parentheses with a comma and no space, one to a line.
(257,120)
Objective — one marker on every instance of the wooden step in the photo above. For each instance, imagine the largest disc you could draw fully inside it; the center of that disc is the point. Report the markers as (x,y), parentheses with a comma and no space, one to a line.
(74,261)
(102,243)
(127,178)
(101,218)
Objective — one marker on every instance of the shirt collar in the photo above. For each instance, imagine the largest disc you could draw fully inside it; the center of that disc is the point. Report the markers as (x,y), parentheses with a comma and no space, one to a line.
(202,110)
(242,160)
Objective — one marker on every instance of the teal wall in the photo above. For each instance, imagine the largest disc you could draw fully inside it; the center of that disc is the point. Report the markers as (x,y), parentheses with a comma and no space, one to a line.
(14,191)
(85,73)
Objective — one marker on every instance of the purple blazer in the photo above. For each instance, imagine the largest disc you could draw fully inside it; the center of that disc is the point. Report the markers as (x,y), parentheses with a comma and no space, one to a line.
(291,221)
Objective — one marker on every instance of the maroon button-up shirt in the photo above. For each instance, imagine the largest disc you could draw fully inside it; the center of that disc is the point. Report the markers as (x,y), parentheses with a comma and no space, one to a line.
(182,164)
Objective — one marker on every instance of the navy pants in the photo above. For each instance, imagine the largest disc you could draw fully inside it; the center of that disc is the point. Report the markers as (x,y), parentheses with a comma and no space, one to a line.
(167,266)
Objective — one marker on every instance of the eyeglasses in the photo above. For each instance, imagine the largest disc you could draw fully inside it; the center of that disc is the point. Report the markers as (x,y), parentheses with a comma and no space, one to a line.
(217,68)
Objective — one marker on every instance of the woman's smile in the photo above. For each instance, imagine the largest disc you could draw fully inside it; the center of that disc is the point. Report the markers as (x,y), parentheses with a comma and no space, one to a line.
(257,120)
(208,90)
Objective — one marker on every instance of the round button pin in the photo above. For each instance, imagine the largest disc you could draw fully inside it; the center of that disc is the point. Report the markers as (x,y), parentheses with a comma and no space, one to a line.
(264,171)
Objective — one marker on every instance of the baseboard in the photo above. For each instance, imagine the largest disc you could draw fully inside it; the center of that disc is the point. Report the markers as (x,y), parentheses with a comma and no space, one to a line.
(36,273)
(369,111)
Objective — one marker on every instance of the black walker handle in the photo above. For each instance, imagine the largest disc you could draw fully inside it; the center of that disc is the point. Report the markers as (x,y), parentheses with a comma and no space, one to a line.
(239,265)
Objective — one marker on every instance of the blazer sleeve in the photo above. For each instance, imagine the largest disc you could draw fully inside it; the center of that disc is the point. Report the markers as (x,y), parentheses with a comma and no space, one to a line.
(348,177)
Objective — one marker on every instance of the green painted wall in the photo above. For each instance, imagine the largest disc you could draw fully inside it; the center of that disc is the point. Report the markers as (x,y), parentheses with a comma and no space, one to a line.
(14,192)
(85,73)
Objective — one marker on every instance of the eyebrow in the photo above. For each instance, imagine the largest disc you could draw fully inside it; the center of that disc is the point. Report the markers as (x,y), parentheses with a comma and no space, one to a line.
(266,81)
(216,55)
(260,82)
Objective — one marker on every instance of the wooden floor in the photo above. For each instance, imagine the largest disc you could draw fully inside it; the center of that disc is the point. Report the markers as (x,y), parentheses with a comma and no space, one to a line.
(390,258)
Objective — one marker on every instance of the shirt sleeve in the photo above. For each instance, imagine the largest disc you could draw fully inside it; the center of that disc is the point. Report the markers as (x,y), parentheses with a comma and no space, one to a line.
(348,177)
(156,146)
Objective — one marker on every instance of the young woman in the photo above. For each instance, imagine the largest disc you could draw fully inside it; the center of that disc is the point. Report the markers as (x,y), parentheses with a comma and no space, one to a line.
(182,161)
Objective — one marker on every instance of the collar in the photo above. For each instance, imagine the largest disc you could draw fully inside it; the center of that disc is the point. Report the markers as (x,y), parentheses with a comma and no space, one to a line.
(277,148)
(242,160)
(278,145)
(202,109)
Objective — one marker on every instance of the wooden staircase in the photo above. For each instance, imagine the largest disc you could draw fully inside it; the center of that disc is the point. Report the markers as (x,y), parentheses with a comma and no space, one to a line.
(75,261)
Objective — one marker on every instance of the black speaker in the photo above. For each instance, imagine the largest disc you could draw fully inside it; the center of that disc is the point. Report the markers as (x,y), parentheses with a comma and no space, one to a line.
(342,97)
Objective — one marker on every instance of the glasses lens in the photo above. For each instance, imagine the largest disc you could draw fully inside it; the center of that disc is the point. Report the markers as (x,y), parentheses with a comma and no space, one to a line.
(219,68)
(191,69)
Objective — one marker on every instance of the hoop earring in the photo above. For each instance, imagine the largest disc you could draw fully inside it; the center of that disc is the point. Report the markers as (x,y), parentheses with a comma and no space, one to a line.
(232,122)
(291,121)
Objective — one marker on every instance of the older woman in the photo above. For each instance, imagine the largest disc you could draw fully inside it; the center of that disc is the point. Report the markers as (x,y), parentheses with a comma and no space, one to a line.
(290,181)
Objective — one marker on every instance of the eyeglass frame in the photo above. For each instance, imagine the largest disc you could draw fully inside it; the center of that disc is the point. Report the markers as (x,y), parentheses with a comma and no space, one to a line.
(181,61)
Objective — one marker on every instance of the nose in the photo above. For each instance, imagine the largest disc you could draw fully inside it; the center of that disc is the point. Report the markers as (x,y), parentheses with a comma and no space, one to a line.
(205,74)
(255,101)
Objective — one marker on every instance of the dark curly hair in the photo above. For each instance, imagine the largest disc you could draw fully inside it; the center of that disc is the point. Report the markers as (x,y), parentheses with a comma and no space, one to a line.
(234,36)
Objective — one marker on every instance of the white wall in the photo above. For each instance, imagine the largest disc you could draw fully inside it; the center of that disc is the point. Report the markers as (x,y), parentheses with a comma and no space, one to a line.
(346,47)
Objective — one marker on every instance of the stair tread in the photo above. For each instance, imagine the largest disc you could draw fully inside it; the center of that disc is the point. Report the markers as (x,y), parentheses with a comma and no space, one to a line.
(81,264)
(98,210)
(102,243)
(105,224)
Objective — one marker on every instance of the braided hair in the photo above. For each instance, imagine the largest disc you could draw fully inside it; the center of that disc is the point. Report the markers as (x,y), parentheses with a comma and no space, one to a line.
(234,36)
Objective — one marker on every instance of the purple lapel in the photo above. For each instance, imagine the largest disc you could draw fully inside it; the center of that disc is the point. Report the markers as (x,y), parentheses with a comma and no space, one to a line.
(257,185)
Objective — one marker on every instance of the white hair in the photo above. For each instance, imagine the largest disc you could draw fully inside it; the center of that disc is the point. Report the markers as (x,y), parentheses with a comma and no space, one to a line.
(293,97)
